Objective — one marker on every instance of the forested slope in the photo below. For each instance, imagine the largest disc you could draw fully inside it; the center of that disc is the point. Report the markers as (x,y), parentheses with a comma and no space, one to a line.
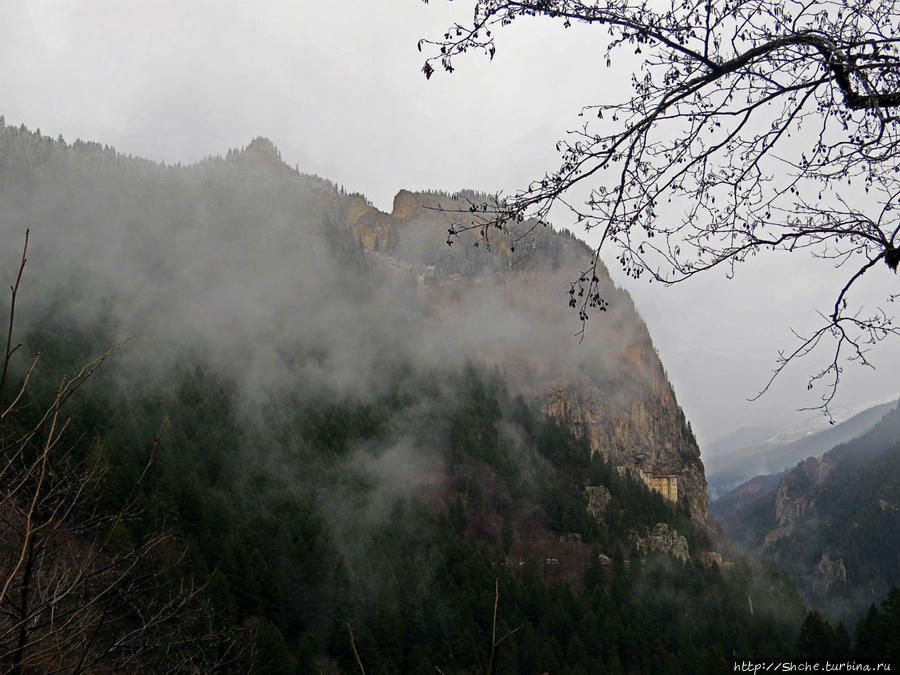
(333,458)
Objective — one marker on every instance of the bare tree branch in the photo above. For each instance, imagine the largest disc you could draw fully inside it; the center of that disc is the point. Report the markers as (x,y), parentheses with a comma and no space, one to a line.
(751,126)
(69,600)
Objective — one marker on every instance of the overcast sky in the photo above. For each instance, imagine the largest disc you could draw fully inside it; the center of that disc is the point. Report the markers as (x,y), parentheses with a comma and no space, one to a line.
(337,86)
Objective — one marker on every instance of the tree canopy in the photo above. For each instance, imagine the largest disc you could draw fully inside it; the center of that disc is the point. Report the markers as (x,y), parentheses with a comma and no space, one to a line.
(751,126)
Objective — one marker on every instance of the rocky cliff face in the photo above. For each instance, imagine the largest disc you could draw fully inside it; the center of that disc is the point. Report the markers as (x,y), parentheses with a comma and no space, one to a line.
(663,539)
(648,433)
(795,496)
(611,387)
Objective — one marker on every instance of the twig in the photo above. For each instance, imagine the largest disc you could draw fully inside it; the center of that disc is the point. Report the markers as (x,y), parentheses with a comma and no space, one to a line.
(12,313)
(490,668)
(355,653)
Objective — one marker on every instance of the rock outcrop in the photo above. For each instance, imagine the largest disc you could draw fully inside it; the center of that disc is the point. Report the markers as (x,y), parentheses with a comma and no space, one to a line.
(663,539)
(795,497)
(828,575)
(598,497)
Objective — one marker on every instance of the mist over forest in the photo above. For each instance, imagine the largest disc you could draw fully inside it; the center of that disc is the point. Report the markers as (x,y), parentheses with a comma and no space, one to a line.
(540,337)
(325,441)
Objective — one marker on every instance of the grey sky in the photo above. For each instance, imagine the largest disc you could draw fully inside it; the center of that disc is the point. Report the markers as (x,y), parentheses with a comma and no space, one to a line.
(337,86)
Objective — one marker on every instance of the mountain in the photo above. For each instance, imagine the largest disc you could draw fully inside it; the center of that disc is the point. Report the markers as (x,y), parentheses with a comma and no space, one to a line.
(348,442)
(832,521)
(138,235)
(727,469)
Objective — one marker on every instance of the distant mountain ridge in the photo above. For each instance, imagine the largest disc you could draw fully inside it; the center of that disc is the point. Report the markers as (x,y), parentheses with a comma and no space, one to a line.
(743,437)
(727,470)
(833,520)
